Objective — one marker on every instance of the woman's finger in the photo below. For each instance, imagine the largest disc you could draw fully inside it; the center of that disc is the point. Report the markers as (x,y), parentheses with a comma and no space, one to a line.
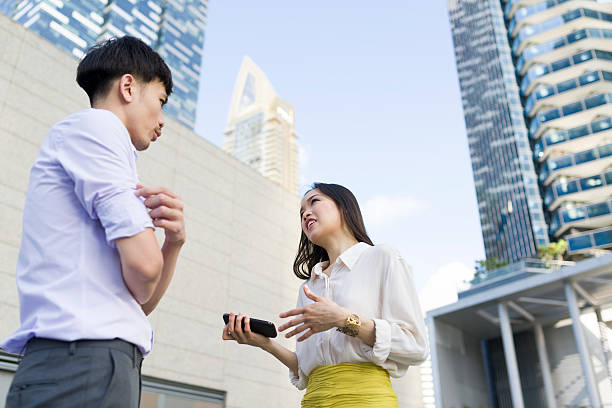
(306,335)
(311,295)
(297,330)
(293,312)
(291,323)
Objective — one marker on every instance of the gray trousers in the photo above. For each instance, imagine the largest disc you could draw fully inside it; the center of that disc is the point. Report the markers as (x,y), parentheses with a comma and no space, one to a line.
(85,373)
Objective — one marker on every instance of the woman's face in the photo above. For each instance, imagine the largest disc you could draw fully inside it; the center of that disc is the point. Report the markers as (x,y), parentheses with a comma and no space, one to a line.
(320,217)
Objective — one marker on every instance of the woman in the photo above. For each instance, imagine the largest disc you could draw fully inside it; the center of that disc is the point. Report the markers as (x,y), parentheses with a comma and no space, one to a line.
(364,292)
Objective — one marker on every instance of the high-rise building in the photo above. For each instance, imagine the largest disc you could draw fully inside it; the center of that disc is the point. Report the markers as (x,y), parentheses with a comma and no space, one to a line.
(261,128)
(536,86)
(175,28)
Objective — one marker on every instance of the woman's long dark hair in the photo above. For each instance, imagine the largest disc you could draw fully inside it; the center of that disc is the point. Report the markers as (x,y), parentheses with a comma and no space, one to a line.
(309,254)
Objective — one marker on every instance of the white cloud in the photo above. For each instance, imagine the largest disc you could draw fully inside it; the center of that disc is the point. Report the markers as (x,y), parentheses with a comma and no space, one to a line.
(384,210)
(441,288)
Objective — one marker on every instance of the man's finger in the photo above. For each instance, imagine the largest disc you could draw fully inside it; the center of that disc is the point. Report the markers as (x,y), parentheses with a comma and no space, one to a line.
(158,200)
(149,191)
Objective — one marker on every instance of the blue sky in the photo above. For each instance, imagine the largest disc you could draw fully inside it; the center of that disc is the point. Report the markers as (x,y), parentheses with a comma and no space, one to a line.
(378,110)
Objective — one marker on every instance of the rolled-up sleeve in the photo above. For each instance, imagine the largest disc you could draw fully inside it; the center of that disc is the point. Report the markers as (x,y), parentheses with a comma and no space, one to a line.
(401,337)
(97,159)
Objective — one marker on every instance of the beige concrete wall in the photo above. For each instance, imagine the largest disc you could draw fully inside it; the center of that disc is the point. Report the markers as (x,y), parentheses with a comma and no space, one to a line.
(242,230)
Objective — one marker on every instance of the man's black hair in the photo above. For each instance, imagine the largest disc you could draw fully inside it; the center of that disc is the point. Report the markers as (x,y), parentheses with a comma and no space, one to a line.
(113,58)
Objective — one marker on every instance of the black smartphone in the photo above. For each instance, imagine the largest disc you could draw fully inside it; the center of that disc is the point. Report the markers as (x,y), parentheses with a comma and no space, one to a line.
(262,327)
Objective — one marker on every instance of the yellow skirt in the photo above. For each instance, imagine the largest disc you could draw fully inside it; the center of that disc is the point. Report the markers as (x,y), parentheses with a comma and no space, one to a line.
(363,385)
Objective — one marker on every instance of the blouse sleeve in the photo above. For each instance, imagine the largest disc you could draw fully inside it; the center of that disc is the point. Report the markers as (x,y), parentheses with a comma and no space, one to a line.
(401,338)
(300,381)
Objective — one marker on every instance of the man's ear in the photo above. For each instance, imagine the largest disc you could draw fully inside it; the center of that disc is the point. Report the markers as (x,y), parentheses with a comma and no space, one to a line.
(127,88)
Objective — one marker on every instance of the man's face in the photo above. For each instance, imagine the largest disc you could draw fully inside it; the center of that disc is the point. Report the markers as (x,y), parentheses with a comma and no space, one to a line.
(144,114)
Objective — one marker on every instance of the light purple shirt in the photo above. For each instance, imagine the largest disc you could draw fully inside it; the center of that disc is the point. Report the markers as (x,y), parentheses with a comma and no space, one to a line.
(80,199)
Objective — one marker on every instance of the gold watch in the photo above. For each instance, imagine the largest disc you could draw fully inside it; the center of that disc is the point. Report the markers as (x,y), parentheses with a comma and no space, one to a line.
(351,326)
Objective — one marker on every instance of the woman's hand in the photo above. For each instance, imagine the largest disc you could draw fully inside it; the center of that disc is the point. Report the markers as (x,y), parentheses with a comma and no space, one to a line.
(233,331)
(320,316)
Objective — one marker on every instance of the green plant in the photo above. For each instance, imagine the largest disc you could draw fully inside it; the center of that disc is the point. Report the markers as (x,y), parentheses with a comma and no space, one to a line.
(553,251)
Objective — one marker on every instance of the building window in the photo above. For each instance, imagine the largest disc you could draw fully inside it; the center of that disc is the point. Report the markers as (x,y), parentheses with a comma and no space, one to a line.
(158,393)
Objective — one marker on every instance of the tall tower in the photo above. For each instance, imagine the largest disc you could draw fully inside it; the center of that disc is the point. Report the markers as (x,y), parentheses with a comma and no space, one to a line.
(260,128)
(536,84)
(174,28)
(509,202)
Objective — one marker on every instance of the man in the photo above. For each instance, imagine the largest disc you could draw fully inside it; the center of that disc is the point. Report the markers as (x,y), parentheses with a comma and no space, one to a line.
(89,267)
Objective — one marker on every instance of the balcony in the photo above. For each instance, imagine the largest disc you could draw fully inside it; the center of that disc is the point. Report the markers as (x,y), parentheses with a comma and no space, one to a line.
(563,46)
(593,188)
(526,8)
(575,139)
(579,164)
(590,216)
(570,115)
(563,24)
(590,240)
(569,90)
(511,273)
(577,61)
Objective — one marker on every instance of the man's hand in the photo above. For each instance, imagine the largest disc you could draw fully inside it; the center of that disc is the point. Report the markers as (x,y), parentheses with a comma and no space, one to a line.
(319,316)
(166,210)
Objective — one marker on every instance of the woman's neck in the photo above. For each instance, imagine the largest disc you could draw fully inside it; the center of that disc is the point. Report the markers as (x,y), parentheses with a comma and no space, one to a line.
(336,247)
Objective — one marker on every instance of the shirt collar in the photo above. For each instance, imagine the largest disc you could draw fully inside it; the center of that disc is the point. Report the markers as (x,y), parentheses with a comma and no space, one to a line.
(351,255)
(348,258)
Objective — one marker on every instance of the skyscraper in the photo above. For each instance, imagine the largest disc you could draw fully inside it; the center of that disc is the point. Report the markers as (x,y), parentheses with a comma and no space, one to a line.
(535,85)
(175,28)
(261,128)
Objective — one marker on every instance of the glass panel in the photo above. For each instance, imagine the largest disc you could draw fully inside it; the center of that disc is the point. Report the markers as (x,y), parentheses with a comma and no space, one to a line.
(549,115)
(608,177)
(595,101)
(603,238)
(572,108)
(566,188)
(591,182)
(591,13)
(583,56)
(557,65)
(577,243)
(605,151)
(606,33)
(574,214)
(598,209)
(544,91)
(585,156)
(588,78)
(578,131)
(607,55)
(560,163)
(556,137)
(572,15)
(577,36)
(606,75)
(606,16)
(601,125)
(567,85)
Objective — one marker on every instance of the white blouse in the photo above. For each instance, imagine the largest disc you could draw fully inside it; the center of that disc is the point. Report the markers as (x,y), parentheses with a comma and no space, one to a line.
(373,282)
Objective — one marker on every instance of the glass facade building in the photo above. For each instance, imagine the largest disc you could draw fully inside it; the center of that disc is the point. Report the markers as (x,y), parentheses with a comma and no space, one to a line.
(509,202)
(175,28)
(556,73)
